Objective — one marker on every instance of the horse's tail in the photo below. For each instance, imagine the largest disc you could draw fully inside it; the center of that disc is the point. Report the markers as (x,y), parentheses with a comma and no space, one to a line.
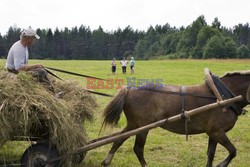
(114,109)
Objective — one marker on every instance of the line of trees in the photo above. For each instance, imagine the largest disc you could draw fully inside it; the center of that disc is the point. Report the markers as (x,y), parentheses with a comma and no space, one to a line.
(198,40)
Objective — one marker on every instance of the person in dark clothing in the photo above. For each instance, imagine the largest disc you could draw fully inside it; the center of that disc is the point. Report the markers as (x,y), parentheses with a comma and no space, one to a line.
(113,66)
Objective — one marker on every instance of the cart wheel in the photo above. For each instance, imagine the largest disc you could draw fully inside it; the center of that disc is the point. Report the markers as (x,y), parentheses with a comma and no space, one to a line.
(37,155)
(78,158)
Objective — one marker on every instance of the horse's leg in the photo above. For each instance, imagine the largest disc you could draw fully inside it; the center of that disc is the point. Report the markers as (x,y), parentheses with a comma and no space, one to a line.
(114,148)
(211,151)
(139,147)
(222,138)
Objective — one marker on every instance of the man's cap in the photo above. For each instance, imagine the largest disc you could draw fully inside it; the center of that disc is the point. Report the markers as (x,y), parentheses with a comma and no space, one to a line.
(29,32)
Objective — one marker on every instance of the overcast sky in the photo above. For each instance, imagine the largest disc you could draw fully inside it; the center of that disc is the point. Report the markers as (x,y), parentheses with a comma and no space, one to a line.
(111,14)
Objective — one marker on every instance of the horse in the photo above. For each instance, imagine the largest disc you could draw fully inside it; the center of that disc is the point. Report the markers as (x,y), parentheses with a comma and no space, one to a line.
(144,106)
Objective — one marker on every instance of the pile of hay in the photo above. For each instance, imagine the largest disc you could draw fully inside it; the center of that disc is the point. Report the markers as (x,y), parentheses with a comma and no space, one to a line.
(27,107)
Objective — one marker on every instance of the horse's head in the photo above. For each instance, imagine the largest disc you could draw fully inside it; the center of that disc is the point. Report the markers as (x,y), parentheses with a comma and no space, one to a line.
(239,84)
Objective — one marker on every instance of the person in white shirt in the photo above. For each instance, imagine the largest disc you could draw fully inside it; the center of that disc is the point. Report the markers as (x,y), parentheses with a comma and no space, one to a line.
(18,57)
(124,63)
(132,65)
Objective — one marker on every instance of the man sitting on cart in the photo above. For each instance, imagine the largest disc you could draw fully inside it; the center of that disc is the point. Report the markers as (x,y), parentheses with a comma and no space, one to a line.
(18,56)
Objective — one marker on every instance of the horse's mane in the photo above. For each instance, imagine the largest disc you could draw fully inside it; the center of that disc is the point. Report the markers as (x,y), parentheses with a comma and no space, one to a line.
(231,73)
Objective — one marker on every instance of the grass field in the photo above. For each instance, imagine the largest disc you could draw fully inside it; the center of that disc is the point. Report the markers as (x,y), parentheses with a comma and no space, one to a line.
(163,149)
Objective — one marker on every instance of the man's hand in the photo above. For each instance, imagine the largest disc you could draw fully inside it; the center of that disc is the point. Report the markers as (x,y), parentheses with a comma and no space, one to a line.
(38,66)
(30,67)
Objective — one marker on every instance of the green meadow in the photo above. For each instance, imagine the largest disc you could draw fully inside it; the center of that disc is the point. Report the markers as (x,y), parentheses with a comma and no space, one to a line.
(163,148)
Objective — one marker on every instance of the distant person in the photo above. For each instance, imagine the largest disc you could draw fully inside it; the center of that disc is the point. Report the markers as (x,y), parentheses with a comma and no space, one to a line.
(113,66)
(132,65)
(124,63)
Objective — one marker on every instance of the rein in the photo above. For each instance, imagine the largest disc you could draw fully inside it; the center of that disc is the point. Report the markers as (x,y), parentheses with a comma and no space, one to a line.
(72,73)
(160,91)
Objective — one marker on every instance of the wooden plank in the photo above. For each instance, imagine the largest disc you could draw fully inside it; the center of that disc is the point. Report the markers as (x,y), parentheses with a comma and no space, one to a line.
(211,84)
(104,137)
(190,113)
(213,87)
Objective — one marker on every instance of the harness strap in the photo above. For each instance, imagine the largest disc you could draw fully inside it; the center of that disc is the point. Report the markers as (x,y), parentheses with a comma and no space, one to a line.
(177,93)
(183,112)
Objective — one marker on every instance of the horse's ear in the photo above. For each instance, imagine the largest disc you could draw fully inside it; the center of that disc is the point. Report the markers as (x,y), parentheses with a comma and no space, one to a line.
(248,94)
